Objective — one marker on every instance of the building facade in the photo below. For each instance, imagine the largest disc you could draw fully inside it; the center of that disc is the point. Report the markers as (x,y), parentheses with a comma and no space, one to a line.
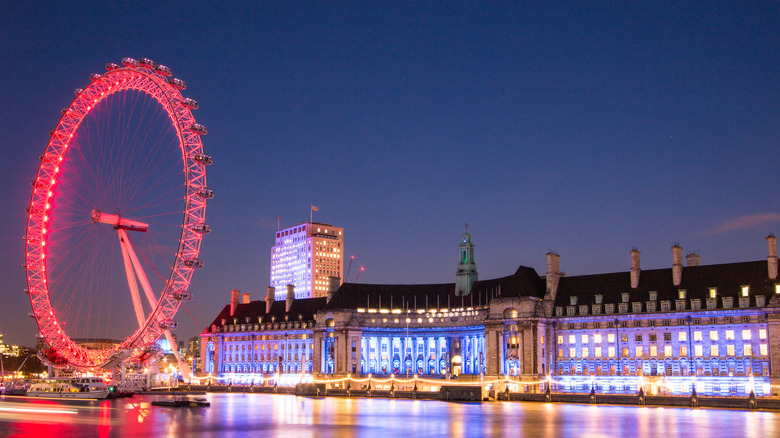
(712,328)
(250,339)
(708,328)
(308,256)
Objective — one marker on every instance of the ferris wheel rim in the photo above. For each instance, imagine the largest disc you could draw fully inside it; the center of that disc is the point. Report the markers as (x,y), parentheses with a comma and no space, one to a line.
(154,80)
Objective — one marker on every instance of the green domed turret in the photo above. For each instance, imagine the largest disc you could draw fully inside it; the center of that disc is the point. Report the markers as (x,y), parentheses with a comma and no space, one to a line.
(466,274)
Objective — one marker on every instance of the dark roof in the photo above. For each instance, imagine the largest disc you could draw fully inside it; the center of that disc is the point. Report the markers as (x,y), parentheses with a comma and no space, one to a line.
(305,307)
(524,282)
(696,280)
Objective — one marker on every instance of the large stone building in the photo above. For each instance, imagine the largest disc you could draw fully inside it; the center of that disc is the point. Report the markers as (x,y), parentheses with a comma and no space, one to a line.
(715,328)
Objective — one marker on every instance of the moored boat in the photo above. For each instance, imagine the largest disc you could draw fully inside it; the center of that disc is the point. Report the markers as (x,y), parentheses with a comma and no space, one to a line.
(72,387)
(183,402)
(15,388)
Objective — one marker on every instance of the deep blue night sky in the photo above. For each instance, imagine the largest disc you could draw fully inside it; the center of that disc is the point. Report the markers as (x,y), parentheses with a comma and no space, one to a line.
(582,128)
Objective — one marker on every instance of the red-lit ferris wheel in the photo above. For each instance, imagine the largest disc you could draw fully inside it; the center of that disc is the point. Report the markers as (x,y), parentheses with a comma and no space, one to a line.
(116,217)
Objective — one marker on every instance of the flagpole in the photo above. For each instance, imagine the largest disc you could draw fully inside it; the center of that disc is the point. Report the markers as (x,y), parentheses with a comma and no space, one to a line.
(311,214)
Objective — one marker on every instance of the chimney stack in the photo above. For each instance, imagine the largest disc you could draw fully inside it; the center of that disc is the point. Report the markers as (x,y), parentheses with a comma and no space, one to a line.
(333,285)
(269,298)
(677,264)
(693,259)
(553,275)
(234,294)
(290,297)
(771,260)
(245,299)
(635,270)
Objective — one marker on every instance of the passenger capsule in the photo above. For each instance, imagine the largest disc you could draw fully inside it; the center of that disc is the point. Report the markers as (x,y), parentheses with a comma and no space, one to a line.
(94,76)
(111,66)
(130,62)
(201,228)
(146,62)
(205,193)
(176,83)
(199,129)
(181,295)
(193,263)
(168,325)
(78,91)
(203,159)
(163,70)
(190,103)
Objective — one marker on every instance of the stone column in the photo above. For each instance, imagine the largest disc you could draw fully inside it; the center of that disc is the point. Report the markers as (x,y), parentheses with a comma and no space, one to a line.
(415,347)
(358,353)
(427,354)
(465,354)
(219,345)
(492,351)
(340,347)
(382,341)
(204,343)
(402,354)
(503,339)
(529,351)
(773,335)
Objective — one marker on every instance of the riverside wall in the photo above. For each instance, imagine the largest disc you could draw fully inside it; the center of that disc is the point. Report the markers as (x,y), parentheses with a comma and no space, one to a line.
(477,394)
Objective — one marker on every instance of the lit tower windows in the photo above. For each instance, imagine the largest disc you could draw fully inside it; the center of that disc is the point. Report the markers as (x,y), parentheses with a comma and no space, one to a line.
(307,255)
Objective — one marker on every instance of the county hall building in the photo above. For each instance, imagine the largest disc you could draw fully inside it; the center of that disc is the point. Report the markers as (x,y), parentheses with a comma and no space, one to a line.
(715,328)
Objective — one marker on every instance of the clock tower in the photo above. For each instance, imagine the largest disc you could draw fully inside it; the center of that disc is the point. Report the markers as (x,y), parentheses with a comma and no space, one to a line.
(466,275)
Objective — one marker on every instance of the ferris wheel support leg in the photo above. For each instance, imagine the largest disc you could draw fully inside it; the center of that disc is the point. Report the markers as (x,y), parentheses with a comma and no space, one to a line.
(139,310)
(183,369)
(139,272)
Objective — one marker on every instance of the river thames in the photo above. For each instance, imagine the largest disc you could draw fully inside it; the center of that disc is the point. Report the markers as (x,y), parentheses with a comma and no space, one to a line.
(238,415)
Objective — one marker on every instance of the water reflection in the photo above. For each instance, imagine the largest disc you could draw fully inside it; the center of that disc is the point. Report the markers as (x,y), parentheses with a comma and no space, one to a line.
(235,415)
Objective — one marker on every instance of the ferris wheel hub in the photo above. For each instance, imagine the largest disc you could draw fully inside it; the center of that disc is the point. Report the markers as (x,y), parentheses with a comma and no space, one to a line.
(118,222)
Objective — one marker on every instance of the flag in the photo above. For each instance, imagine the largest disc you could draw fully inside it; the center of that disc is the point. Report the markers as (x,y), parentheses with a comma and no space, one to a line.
(313,208)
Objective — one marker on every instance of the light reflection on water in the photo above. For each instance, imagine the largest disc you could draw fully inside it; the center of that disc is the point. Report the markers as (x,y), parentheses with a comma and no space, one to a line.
(234,415)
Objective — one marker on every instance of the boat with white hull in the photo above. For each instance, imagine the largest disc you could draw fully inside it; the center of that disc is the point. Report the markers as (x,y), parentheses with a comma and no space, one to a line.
(72,387)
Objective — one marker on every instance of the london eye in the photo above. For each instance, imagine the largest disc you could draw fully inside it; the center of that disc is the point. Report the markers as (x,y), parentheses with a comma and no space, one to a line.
(116,218)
